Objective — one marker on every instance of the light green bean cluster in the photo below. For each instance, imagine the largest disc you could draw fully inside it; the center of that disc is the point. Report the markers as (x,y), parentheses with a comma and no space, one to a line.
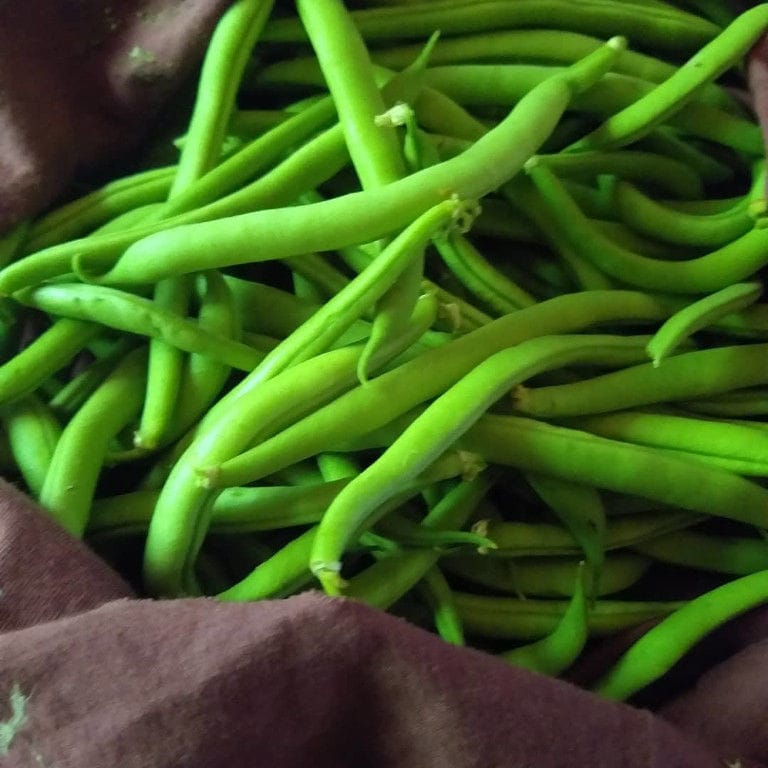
(463,325)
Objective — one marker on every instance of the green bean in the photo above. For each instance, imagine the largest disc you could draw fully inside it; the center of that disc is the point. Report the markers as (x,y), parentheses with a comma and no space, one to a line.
(133,218)
(529,45)
(288,569)
(745,402)
(252,158)
(134,314)
(516,539)
(675,31)
(11,241)
(362,216)
(678,480)
(457,314)
(310,384)
(322,276)
(348,71)
(248,124)
(278,576)
(70,482)
(434,111)
(687,375)
(438,427)
(587,276)
(235,510)
(481,278)
(203,377)
(393,312)
(437,594)
(48,353)
(702,438)
(673,94)
(396,392)
(171,296)
(545,576)
(663,645)
(581,510)
(706,207)
(738,556)
(658,171)
(630,241)
(656,220)
(666,141)
(408,533)
(96,208)
(310,165)
(223,65)
(699,315)
(385,582)
(338,314)
(544,45)
(74,393)
(718,269)
(557,651)
(33,432)
(267,309)
(502,85)
(510,618)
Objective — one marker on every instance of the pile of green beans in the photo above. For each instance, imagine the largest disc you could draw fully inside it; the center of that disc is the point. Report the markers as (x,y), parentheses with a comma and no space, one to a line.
(466,326)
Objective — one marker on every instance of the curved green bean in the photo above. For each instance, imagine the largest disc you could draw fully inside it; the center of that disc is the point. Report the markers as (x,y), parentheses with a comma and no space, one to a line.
(361,216)
(48,353)
(77,460)
(33,433)
(396,392)
(443,422)
(698,315)
(554,653)
(654,219)
(673,94)
(663,645)
(718,269)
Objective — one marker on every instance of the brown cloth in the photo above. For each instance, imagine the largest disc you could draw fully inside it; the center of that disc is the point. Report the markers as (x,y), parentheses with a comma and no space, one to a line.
(90,678)
(78,80)
(93,677)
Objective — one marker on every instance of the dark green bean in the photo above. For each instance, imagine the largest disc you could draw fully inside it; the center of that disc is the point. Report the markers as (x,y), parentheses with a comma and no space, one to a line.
(48,353)
(663,645)
(67,492)
(510,618)
(554,653)
(738,556)
(33,432)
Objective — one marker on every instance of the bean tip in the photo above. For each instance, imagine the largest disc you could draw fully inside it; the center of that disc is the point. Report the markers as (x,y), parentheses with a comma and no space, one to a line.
(207,477)
(328,573)
(531,163)
(617,42)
